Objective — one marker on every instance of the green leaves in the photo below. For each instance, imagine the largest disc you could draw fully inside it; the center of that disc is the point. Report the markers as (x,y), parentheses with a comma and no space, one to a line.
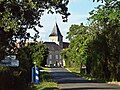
(107,1)
(97,45)
(16,16)
(39,53)
(106,23)
(79,36)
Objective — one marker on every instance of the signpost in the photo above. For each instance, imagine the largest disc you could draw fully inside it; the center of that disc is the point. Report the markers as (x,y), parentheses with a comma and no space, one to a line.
(35,74)
(10,61)
(84,68)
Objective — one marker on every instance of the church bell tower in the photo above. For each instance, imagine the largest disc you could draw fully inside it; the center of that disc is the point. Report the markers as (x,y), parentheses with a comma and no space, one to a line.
(56,36)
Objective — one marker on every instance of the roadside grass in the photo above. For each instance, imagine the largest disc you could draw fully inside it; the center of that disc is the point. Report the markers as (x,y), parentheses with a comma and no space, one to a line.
(74,70)
(83,75)
(45,86)
(89,77)
(46,83)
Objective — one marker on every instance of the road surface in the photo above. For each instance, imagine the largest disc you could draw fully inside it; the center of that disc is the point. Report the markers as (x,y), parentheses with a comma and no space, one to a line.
(69,81)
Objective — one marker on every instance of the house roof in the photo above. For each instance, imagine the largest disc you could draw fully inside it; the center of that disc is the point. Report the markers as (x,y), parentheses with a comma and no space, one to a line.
(52,46)
(56,31)
(65,44)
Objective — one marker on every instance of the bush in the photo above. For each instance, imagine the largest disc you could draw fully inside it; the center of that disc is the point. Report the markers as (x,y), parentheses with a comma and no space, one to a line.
(17,78)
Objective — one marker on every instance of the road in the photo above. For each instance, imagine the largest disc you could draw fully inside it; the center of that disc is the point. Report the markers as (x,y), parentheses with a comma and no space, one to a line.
(69,81)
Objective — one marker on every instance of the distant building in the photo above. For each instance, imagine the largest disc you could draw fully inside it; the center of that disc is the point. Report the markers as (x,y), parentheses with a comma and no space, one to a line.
(55,45)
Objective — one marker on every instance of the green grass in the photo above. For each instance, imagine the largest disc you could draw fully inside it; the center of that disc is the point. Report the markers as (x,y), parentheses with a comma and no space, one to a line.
(77,72)
(46,83)
(45,68)
(45,86)
(85,76)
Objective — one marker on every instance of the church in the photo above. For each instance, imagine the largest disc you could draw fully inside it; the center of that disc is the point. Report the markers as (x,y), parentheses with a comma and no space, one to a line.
(55,46)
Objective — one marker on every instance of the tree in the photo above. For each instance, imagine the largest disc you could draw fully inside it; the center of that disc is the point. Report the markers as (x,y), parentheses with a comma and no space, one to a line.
(97,45)
(79,36)
(104,1)
(38,52)
(21,76)
(16,16)
(106,22)
(19,15)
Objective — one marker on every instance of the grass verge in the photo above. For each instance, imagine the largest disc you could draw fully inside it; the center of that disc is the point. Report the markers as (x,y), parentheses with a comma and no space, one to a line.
(46,83)
(77,72)
(45,86)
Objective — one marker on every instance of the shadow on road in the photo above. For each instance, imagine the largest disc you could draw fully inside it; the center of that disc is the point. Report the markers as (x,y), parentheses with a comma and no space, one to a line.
(67,77)
(69,81)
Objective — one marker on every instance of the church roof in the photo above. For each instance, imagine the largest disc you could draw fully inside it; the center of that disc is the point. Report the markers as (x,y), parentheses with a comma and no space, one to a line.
(56,31)
(52,46)
(65,44)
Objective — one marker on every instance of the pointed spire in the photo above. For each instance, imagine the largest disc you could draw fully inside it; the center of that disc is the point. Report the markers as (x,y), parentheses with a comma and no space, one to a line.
(55,31)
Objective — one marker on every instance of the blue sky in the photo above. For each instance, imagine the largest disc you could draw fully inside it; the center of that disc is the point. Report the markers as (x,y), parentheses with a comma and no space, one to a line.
(79,10)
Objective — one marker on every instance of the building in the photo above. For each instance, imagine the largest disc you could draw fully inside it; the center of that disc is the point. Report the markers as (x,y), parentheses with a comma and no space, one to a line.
(55,45)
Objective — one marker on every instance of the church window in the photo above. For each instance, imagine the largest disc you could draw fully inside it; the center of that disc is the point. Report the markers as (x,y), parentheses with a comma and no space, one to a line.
(56,56)
(50,62)
(56,52)
(50,52)
(60,57)
(50,56)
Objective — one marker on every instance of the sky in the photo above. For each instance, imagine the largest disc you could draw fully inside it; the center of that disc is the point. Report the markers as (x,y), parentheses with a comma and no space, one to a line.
(79,10)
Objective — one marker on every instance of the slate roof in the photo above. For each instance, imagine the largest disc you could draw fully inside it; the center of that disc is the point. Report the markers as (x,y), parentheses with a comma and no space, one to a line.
(65,44)
(56,31)
(52,46)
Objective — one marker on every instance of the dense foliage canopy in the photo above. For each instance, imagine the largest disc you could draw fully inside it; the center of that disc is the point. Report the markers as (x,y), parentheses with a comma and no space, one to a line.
(38,52)
(97,45)
(16,16)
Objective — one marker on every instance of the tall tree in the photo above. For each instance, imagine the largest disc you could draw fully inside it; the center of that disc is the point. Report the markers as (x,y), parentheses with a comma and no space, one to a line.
(97,45)
(106,21)
(16,16)
(79,37)
(38,52)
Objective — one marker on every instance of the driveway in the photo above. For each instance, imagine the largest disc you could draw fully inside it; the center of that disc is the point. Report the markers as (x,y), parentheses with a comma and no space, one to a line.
(69,81)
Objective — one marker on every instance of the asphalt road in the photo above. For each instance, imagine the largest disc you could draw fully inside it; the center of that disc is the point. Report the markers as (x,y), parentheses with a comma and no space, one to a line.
(69,81)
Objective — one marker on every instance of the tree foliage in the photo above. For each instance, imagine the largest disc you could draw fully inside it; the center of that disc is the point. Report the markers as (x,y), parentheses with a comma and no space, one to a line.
(38,52)
(79,37)
(21,76)
(97,45)
(16,16)
(17,77)
(106,21)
